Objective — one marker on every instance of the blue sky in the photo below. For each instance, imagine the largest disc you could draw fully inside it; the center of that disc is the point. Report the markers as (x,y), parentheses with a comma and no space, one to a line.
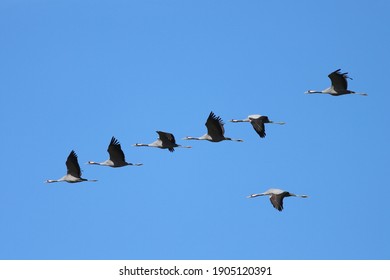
(76,73)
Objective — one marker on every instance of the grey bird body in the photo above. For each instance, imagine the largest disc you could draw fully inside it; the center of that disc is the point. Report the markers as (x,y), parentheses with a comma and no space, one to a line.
(165,140)
(258,122)
(117,157)
(339,85)
(73,174)
(276,197)
(215,130)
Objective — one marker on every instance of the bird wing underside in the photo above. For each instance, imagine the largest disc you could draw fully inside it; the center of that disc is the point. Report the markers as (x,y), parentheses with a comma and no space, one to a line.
(277,201)
(259,127)
(115,151)
(214,126)
(339,80)
(72,165)
(166,137)
(167,140)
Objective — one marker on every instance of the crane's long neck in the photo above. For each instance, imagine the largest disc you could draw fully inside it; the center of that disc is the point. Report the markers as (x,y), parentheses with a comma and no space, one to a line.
(245,120)
(62,179)
(194,138)
(94,162)
(54,181)
(255,195)
(314,91)
(141,145)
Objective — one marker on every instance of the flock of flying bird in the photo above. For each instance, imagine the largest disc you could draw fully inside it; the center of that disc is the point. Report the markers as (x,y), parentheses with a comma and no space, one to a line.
(215,133)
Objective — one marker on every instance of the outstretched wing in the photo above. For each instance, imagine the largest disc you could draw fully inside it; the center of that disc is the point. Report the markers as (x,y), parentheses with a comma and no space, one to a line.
(258,125)
(72,165)
(339,80)
(277,201)
(214,126)
(115,151)
(167,139)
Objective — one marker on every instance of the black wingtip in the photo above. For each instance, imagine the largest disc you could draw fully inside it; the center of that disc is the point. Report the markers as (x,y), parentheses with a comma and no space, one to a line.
(215,117)
(278,207)
(114,141)
(345,74)
(73,153)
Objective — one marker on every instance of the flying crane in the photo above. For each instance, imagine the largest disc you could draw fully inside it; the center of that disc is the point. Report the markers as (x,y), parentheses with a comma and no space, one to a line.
(165,140)
(73,174)
(339,85)
(258,122)
(215,130)
(276,197)
(117,157)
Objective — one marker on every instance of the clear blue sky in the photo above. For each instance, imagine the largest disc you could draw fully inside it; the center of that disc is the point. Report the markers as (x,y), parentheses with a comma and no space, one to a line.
(75,73)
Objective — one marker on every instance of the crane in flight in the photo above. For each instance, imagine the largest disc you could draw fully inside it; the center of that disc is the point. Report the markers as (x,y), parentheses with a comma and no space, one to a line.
(339,85)
(215,130)
(117,157)
(73,174)
(258,122)
(276,196)
(165,140)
